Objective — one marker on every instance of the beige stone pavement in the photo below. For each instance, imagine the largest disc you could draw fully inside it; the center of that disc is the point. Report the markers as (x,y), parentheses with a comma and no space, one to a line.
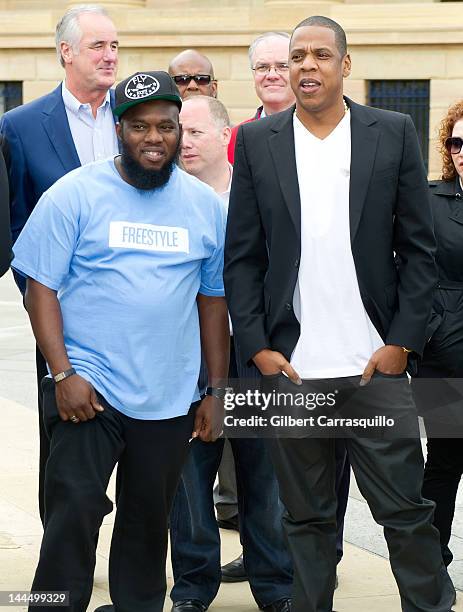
(365,580)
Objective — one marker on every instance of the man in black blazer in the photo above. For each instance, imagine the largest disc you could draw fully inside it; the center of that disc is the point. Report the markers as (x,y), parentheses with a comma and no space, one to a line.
(323,196)
(5,231)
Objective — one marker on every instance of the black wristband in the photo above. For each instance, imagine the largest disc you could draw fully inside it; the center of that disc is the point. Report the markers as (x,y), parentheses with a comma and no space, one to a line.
(219,392)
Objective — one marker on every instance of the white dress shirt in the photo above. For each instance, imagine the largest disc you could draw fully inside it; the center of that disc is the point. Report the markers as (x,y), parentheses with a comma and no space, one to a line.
(94,138)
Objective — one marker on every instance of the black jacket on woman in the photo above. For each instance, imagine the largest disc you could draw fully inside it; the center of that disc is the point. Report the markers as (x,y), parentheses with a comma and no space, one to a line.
(438,387)
(440,401)
(444,350)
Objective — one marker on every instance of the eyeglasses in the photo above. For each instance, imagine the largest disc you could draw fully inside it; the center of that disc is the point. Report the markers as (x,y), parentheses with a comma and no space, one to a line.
(453,144)
(279,67)
(199,79)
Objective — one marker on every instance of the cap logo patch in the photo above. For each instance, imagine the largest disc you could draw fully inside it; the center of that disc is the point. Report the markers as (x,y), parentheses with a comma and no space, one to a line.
(141,86)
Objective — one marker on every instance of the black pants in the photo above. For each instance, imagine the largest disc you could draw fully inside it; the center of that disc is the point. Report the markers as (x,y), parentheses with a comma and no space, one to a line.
(389,473)
(442,474)
(82,457)
(438,393)
(44,448)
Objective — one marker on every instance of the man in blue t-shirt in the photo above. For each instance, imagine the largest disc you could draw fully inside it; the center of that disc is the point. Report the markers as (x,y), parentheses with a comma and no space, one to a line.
(123,260)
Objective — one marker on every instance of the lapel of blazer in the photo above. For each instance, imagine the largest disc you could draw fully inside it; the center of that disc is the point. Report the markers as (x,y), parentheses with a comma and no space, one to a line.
(364,140)
(281,143)
(112,99)
(112,95)
(55,123)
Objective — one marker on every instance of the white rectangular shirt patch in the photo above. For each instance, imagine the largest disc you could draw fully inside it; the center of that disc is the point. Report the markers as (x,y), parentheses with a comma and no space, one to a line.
(148,237)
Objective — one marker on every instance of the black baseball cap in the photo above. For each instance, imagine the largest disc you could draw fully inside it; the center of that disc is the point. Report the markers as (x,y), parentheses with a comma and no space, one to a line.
(145,86)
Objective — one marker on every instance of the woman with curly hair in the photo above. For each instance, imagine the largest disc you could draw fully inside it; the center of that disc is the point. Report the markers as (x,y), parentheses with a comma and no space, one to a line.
(438,392)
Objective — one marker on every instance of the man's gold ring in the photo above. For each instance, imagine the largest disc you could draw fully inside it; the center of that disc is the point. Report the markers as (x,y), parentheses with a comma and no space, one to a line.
(74,419)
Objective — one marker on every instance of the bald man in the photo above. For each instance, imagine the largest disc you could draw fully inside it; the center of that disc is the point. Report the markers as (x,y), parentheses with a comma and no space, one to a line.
(193,73)
(195,543)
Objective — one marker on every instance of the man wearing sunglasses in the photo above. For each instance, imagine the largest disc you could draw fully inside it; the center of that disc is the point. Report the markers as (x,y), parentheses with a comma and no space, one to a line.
(193,74)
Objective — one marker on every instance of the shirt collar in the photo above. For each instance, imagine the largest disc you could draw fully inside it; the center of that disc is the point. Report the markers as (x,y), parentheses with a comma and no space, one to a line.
(447,188)
(301,129)
(74,105)
(259,112)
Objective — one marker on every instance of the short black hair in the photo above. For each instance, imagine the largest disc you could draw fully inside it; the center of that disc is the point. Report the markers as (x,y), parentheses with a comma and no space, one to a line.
(326,22)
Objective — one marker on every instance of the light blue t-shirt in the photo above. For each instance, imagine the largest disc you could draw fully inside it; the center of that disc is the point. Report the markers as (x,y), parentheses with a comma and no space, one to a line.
(127,266)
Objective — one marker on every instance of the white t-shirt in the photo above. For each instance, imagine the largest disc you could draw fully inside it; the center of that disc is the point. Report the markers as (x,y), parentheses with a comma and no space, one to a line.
(225,195)
(337,337)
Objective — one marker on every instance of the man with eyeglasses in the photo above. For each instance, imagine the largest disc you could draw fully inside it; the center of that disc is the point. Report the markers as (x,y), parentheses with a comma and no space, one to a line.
(193,74)
(268,56)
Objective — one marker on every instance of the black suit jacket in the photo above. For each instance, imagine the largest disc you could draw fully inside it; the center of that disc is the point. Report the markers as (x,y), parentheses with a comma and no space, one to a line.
(5,232)
(444,351)
(389,213)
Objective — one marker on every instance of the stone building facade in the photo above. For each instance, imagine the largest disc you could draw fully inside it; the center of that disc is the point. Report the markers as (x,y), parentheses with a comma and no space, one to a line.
(390,41)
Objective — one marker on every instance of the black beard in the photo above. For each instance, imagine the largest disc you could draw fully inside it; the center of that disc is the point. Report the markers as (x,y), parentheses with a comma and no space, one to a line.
(144,179)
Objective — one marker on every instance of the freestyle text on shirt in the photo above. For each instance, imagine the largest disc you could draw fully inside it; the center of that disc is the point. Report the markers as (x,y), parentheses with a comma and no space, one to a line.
(127,266)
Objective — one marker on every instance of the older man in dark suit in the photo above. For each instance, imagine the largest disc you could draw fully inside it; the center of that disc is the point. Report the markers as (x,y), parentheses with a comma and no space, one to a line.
(323,196)
(69,127)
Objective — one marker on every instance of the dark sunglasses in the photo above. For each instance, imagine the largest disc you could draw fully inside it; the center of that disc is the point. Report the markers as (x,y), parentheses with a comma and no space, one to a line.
(453,144)
(199,79)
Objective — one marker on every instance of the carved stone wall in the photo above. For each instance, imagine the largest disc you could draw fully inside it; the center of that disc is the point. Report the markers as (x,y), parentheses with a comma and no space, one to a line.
(419,39)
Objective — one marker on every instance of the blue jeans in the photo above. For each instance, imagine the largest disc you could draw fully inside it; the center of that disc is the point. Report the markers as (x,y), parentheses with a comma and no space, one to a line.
(195,539)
